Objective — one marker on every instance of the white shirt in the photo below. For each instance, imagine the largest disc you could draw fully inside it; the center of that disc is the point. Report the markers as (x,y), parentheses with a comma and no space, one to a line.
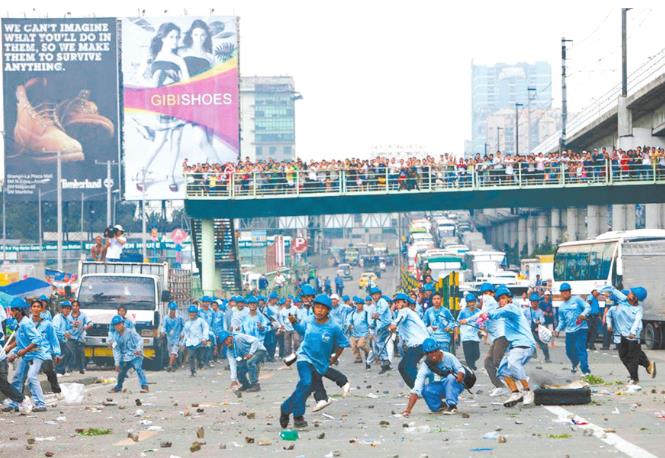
(115,248)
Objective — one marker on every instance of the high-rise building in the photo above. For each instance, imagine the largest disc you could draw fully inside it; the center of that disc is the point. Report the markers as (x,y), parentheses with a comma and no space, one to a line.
(267,113)
(499,87)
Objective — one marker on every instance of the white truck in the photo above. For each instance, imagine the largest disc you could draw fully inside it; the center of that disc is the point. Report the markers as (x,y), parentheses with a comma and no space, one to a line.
(624,259)
(144,289)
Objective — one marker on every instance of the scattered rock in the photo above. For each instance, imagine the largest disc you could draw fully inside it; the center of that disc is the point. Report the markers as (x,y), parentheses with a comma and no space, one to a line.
(12,438)
(369,387)
(371,406)
(289,447)
(28,447)
(195,447)
(31,440)
(321,436)
(501,439)
(133,436)
(352,441)
(251,415)
(588,433)
(336,453)
(136,401)
(465,415)
(222,446)
(200,410)
(49,454)
(384,423)
(610,430)
(249,440)
(165,444)
(200,433)
(139,413)
(195,404)
(264,442)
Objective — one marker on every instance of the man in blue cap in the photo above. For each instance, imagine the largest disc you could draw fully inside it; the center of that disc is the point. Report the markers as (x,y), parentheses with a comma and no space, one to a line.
(206,313)
(381,320)
(426,298)
(593,319)
(60,326)
(535,316)
(628,314)
(255,324)
(441,395)
(194,337)
(521,349)
(49,345)
(171,328)
(469,334)
(573,313)
(498,342)
(249,353)
(270,311)
(412,332)
(440,322)
(321,338)
(127,354)
(357,327)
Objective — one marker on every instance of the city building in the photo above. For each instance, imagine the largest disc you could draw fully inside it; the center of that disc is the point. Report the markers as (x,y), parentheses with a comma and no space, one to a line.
(499,87)
(535,125)
(267,113)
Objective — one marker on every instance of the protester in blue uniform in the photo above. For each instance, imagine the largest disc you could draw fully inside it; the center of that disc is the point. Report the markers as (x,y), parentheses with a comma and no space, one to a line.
(249,353)
(339,285)
(357,328)
(521,349)
(27,345)
(255,324)
(381,319)
(206,313)
(129,324)
(469,334)
(269,311)
(171,328)
(498,342)
(413,332)
(536,317)
(441,395)
(440,322)
(321,339)
(218,325)
(60,325)
(289,336)
(49,345)
(593,320)
(194,337)
(572,317)
(78,324)
(127,354)
(7,388)
(627,316)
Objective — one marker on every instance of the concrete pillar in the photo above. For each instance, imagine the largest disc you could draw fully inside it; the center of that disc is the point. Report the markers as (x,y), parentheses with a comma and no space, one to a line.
(630,217)
(555,226)
(603,219)
(541,228)
(652,216)
(530,235)
(571,224)
(218,280)
(592,221)
(506,234)
(207,256)
(521,234)
(619,217)
(581,223)
(512,232)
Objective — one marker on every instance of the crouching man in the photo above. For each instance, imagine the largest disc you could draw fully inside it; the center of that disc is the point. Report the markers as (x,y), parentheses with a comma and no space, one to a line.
(127,354)
(249,352)
(442,395)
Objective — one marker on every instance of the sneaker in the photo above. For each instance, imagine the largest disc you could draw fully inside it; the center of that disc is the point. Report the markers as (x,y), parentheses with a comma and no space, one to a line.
(573,370)
(584,374)
(26,406)
(192,374)
(651,369)
(633,382)
(39,409)
(368,366)
(10,409)
(81,372)
(283,419)
(498,392)
(528,397)
(243,387)
(322,404)
(253,388)
(345,389)
(450,410)
(513,399)
(385,369)
(299,422)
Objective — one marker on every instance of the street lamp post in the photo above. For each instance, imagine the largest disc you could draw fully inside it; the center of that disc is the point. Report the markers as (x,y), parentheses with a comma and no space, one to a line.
(59,209)
(517,128)
(498,132)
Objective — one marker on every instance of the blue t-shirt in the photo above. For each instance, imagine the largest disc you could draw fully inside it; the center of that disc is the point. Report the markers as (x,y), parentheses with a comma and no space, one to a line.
(318,343)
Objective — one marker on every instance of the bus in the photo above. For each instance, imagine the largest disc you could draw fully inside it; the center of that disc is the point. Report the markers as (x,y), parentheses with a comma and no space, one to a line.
(623,259)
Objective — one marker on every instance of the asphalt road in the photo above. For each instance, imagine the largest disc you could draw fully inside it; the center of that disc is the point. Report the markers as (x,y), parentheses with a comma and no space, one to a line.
(367,423)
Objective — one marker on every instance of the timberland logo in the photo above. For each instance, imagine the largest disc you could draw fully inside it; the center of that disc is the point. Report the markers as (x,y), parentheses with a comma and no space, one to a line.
(81,184)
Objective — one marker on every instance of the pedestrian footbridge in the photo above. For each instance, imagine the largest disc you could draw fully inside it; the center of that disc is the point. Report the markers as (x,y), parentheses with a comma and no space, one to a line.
(251,195)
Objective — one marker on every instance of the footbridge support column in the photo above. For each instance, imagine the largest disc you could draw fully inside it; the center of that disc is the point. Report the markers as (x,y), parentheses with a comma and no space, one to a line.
(207,256)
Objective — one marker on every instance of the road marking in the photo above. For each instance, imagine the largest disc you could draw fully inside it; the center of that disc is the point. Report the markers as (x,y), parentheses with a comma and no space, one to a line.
(612,439)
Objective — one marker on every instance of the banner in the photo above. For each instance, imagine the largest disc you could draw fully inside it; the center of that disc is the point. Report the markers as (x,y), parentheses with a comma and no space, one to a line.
(60,83)
(181,90)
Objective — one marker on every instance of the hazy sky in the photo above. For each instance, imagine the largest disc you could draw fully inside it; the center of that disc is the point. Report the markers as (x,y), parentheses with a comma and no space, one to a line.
(389,72)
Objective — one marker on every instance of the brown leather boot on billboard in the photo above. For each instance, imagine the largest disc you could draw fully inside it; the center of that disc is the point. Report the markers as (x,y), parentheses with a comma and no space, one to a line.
(38,132)
(80,116)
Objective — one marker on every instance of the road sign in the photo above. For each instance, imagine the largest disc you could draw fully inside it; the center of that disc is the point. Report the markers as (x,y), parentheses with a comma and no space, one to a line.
(108,183)
(300,245)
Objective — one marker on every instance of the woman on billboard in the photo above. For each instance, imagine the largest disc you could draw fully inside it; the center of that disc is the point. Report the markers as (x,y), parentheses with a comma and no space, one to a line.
(166,67)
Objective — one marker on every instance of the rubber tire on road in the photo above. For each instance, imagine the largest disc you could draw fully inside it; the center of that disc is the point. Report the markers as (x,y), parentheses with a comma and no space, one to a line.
(562,397)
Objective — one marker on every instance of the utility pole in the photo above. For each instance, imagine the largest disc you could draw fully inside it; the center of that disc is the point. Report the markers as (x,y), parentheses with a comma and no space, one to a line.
(108,184)
(82,211)
(4,224)
(530,95)
(564,97)
(624,52)
(59,207)
(39,217)
(143,221)
(517,129)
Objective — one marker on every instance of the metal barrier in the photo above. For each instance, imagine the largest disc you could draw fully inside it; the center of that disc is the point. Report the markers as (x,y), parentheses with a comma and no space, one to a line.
(552,173)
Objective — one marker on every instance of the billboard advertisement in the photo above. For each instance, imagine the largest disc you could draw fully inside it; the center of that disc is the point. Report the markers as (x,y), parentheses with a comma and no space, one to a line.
(181,100)
(61,98)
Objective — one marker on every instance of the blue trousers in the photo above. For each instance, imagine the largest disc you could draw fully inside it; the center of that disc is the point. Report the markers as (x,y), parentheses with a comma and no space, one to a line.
(66,357)
(248,370)
(270,342)
(408,366)
(137,364)
(295,404)
(449,389)
(29,370)
(576,349)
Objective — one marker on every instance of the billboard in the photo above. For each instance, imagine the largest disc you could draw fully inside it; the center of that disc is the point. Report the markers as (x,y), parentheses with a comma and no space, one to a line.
(181,106)
(61,97)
